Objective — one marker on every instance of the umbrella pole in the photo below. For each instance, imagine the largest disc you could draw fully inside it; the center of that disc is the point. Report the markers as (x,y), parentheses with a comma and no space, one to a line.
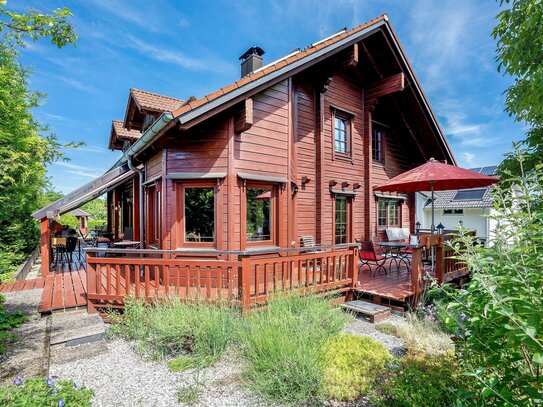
(432,254)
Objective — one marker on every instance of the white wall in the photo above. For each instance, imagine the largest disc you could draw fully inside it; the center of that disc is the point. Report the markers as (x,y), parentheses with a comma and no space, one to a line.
(473,220)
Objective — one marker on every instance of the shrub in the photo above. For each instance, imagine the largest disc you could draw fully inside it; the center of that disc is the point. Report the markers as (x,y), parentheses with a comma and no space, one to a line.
(498,317)
(173,328)
(354,362)
(44,392)
(423,336)
(284,347)
(422,380)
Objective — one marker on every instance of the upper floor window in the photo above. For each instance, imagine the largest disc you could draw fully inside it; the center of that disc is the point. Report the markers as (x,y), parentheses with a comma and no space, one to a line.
(453,211)
(342,133)
(377,144)
(388,213)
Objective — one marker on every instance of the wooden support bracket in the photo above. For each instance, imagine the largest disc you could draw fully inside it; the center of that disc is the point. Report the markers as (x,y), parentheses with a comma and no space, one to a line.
(384,87)
(243,118)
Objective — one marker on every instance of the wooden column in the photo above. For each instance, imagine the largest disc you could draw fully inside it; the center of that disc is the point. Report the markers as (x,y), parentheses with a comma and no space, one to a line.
(45,246)
(368,162)
(91,283)
(416,274)
(244,283)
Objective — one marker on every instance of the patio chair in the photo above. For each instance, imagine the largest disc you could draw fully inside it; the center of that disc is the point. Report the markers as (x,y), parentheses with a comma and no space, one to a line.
(368,256)
(309,241)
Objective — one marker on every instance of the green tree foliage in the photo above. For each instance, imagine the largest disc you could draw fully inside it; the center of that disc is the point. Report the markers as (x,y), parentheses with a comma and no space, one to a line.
(25,147)
(519,35)
(498,318)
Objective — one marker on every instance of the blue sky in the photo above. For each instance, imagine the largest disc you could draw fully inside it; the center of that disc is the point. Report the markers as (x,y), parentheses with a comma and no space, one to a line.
(182,48)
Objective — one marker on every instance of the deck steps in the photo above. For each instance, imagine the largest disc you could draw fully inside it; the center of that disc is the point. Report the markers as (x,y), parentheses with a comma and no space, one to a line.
(374,312)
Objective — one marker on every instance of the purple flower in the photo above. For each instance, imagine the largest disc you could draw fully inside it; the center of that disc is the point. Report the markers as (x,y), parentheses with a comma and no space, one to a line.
(18,380)
(49,382)
(60,402)
(54,377)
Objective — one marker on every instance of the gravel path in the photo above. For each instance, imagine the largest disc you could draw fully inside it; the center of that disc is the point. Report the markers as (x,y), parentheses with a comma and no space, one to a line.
(360,326)
(121,377)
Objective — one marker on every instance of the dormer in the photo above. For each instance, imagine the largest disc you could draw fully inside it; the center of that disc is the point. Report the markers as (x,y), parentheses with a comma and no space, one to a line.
(143,108)
(121,138)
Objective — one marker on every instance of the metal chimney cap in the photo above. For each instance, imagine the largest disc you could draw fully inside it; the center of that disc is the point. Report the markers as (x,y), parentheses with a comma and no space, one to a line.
(252,51)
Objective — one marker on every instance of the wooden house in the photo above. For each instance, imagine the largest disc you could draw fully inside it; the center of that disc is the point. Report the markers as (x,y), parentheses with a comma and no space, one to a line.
(291,151)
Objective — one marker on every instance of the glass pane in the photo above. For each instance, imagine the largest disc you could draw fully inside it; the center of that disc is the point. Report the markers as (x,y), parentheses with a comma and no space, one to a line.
(259,219)
(393,213)
(382,214)
(199,215)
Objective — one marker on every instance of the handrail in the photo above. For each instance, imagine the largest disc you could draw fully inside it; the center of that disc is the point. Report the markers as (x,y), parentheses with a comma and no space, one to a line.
(222,252)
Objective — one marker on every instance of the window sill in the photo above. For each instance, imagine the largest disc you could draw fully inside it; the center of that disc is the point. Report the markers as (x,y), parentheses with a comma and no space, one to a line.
(378,163)
(343,157)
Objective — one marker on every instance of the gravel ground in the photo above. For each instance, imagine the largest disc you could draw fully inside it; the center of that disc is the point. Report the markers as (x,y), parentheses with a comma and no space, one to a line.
(121,377)
(360,326)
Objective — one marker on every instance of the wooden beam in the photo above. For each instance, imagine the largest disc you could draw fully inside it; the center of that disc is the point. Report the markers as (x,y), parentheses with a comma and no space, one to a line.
(410,131)
(384,87)
(352,57)
(45,246)
(243,118)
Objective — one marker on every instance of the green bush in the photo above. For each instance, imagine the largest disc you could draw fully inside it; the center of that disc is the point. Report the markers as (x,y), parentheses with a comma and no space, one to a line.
(498,317)
(44,392)
(174,328)
(423,381)
(353,364)
(284,347)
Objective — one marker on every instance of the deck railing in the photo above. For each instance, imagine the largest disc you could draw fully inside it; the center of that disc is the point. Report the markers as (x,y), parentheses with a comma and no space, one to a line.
(243,278)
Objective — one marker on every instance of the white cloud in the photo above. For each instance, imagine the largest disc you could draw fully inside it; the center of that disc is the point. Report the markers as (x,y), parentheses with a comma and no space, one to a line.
(74,166)
(467,159)
(84,174)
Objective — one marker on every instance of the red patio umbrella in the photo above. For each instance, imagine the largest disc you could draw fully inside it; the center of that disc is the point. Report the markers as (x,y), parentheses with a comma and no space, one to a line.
(265,195)
(436,176)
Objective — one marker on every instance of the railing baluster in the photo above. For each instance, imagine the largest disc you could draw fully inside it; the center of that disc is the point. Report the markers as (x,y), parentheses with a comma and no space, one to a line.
(147,282)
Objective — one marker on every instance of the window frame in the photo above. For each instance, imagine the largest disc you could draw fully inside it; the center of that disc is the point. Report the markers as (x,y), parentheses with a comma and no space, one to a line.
(382,135)
(348,219)
(348,118)
(153,235)
(180,198)
(274,226)
(398,203)
(455,212)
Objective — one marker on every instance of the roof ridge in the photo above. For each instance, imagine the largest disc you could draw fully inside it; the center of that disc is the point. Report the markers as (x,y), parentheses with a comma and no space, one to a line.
(156,94)
(272,67)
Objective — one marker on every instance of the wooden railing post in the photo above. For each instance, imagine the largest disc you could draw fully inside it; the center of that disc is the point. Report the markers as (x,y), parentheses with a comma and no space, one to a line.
(439,260)
(416,274)
(244,283)
(91,284)
(353,273)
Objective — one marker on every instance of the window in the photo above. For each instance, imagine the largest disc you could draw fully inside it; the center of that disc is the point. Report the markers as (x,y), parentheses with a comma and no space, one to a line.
(453,211)
(199,214)
(377,144)
(260,214)
(341,221)
(153,214)
(388,213)
(342,133)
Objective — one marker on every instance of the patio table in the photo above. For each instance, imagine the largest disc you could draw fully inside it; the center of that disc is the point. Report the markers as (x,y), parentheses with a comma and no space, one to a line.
(394,251)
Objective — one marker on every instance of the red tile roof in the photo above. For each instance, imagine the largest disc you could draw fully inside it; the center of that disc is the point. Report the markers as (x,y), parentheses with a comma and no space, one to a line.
(154,101)
(124,134)
(273,67)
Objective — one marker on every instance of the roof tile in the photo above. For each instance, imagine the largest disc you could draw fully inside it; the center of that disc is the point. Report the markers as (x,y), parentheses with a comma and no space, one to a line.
(124,134)
(154,101)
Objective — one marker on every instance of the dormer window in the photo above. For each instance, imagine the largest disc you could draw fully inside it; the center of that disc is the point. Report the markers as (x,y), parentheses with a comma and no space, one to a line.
(148,121)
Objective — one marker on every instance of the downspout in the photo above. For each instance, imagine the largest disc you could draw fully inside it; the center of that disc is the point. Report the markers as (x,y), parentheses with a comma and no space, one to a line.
(140,209)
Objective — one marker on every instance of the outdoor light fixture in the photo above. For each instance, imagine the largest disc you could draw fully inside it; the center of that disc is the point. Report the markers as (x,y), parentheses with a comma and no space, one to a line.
(294,187)
(417,227)
(440,228)
(461,223)
(305,180)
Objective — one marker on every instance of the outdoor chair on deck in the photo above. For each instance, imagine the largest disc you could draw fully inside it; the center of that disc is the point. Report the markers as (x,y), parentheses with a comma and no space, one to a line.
(368,256)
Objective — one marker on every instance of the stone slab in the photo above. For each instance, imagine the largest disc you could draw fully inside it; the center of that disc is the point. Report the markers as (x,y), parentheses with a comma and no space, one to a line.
(364,307)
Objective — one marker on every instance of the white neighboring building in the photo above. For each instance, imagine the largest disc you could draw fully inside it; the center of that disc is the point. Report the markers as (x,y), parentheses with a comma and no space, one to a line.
(469,206)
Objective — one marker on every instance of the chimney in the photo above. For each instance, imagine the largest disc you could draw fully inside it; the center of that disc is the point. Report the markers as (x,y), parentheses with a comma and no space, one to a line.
(251,60)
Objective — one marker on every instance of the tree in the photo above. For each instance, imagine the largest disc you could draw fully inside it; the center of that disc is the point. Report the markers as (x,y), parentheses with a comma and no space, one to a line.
(25,146)
(519,35)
